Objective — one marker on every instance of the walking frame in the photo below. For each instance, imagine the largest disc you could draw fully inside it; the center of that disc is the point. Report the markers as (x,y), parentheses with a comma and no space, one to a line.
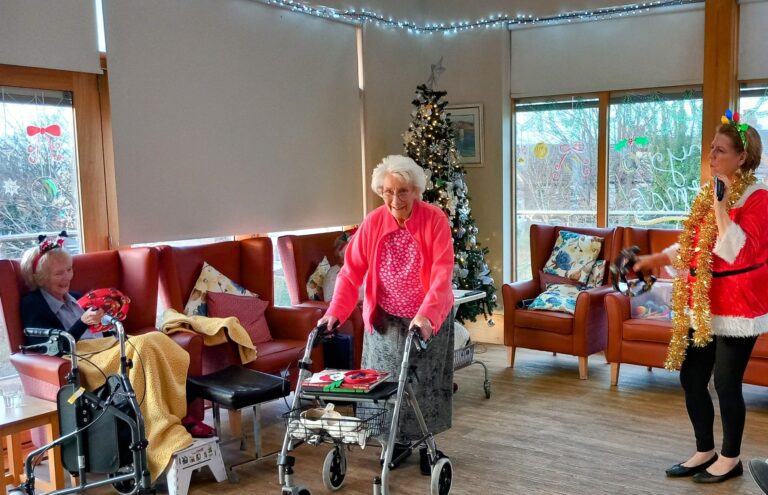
(374,427)
(91,424)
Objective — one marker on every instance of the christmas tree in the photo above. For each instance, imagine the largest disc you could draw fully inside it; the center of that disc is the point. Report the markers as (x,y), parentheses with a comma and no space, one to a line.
(430,142)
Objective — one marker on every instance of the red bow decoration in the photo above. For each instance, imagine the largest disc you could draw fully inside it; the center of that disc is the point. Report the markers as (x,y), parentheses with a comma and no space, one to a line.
(111,301)
(53,130)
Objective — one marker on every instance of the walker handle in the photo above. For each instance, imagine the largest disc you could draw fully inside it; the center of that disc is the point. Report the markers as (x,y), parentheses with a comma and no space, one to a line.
(420,343)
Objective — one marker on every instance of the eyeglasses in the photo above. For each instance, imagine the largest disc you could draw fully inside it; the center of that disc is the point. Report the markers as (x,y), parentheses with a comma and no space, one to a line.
(400,193)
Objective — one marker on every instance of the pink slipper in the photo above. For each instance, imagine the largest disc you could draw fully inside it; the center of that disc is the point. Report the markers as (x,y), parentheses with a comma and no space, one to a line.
(197,428)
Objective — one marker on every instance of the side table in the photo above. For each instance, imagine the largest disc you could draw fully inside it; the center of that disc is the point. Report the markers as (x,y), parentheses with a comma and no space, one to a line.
(32,413)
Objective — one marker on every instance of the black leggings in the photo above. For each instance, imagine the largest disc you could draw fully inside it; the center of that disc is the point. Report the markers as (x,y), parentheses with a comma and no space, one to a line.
(728,356)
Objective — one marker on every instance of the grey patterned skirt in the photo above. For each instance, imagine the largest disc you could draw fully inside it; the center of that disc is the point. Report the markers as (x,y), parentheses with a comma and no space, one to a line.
(433,389)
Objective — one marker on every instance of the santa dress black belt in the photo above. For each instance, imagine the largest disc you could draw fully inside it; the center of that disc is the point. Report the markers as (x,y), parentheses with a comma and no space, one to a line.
(728,273)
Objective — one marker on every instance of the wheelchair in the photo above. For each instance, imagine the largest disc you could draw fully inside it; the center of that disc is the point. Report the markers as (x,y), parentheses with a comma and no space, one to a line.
(102,432)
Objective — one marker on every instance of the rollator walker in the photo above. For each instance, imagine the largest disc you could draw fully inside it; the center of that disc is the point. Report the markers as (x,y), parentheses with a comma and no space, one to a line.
(371,422)
(102,432)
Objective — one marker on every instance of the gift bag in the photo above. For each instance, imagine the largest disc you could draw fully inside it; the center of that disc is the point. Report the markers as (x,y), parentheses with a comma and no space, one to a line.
(656,304)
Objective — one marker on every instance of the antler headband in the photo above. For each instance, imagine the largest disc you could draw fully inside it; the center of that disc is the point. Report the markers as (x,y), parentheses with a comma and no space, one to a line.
(47,244)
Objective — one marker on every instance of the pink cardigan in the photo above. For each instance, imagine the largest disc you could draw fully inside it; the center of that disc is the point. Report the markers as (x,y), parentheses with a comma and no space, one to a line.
(429,227)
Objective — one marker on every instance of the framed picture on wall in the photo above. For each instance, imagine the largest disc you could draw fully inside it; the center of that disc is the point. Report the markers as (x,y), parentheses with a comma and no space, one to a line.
(467,120)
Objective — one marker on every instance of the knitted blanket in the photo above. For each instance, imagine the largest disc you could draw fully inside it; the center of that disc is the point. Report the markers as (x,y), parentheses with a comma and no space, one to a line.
(215,331)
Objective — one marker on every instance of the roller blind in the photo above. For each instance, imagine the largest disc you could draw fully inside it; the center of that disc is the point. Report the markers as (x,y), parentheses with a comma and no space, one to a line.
(647,51)
(753,47)
(231,117)
(49,34)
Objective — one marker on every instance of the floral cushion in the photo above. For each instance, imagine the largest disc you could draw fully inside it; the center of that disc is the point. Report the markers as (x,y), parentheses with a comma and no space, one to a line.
(573,256)
(596,275)
(211,280)
(317,279)
(557,297)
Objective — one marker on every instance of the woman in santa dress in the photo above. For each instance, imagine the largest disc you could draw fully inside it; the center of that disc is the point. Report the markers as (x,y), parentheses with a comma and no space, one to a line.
(719,303)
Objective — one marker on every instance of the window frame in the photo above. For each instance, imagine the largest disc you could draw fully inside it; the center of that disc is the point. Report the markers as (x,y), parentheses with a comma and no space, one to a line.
(94,178)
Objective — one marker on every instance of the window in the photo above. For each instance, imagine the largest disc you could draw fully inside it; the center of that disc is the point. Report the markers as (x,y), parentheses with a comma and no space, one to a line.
(555,168)
(280,286)
(654,158)
(39,186)
(753,105)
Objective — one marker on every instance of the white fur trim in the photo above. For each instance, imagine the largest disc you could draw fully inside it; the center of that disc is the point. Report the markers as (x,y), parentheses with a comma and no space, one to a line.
(754,187)
(739,326)
(729,245)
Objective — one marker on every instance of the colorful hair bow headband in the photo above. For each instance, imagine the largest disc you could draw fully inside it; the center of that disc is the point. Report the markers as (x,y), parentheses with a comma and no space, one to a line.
(732,118)
(47,244)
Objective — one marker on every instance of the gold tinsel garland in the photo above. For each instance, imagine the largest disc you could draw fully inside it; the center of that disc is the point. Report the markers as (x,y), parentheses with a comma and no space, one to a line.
(702,215)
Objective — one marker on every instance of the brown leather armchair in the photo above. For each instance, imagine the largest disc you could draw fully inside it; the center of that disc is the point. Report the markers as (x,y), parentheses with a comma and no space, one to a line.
(132,271)
(300,255)
(581,334)
(644,342)
(249,263)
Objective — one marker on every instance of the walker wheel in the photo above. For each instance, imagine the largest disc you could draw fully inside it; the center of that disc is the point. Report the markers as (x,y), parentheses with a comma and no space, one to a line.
(442,477)
(334,469)
(125,487)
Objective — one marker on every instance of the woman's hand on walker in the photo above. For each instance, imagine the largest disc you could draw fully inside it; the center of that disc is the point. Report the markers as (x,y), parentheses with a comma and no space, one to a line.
(329,320)
(424,325)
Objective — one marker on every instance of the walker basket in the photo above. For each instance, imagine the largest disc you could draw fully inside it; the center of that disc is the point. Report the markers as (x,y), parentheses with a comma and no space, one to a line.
(463,356)
(315,425)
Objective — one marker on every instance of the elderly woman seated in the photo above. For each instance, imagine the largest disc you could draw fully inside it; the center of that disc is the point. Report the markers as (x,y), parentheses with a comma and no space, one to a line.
(160,388)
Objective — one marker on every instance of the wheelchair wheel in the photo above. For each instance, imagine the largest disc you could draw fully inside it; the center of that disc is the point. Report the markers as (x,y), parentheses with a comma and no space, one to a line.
(334,469)
(442,477)
(125,487)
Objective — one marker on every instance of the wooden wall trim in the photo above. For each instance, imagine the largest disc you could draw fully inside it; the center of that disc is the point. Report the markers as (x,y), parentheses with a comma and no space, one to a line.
(721,40)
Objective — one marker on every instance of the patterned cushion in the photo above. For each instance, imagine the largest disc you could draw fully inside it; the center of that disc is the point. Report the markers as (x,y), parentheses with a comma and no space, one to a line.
(248,309)
(596,275)
(557,297)
(573,256)
(545,280)
(316,280)
(211,280)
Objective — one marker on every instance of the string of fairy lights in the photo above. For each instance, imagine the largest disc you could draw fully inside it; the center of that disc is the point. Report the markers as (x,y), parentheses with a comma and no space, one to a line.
(364,16)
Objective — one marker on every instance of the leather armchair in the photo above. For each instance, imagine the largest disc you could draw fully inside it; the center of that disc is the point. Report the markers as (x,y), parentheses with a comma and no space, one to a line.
(132,271)
(300,255)
(249,263)
(644,342)
(581,334)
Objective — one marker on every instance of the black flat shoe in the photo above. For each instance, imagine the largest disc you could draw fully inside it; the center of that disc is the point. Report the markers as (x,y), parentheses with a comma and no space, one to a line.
(424,466)
(758,468)
(706,477)
(680,471)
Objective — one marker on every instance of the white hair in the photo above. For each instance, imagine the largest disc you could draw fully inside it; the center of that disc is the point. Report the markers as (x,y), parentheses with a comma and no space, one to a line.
(404,168)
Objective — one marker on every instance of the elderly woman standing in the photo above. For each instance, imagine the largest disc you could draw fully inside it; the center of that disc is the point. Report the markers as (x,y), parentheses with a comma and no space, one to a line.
(404,252)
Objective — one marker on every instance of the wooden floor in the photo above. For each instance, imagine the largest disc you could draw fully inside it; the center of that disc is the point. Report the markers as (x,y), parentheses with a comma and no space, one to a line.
(543,431)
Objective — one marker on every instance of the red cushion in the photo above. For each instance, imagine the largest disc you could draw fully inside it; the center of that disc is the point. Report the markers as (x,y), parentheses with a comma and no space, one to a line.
(248,309)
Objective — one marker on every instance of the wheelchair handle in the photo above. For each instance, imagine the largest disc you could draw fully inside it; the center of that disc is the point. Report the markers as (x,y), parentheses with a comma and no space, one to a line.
(45,333)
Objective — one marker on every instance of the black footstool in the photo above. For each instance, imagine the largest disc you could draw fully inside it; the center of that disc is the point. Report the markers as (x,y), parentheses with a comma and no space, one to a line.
(236,388)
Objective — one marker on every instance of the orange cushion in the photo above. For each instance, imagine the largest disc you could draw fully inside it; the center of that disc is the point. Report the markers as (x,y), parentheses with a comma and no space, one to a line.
(647,330)
(548,321)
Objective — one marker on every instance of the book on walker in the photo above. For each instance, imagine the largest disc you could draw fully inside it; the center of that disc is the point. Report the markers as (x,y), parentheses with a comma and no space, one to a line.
(353,381)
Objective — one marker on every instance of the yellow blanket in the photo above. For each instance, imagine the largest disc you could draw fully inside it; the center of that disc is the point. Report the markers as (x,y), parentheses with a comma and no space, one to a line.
(215,331)
(162,396)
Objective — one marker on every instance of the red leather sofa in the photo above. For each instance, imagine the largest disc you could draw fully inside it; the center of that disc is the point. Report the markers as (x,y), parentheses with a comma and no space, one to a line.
(249,263)
(581,334)
(644,342)
(300,255)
